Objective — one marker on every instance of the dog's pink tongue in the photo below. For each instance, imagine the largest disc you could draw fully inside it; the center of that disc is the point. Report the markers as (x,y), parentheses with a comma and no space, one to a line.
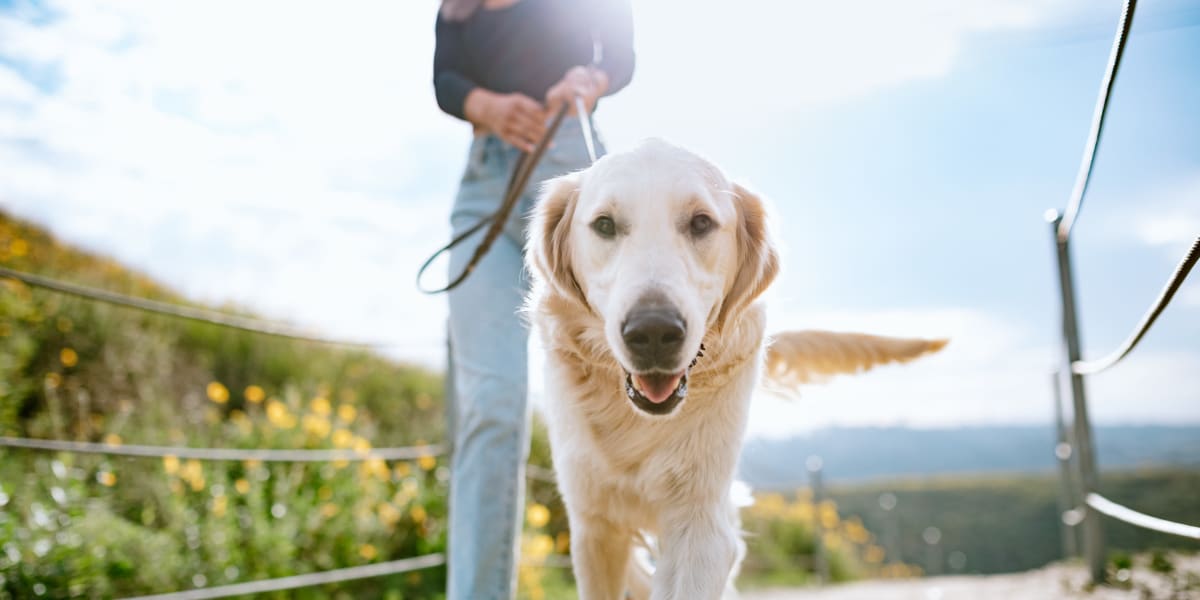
(657,388)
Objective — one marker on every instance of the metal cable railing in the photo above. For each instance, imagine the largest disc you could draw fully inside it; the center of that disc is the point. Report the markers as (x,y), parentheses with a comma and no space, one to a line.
(1089,154)
(176,310)
(1092,367)
(219,454)
(1133,517)
(403,565)
(1080,451)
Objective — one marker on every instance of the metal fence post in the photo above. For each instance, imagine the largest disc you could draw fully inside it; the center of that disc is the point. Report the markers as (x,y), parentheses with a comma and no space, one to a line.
(1066,489)
(1093,533)
(820,561)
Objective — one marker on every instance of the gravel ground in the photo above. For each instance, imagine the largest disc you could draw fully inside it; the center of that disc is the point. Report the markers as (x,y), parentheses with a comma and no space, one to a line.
(1052,582)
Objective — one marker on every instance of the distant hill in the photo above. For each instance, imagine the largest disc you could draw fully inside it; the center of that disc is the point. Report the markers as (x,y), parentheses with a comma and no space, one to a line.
(863,453)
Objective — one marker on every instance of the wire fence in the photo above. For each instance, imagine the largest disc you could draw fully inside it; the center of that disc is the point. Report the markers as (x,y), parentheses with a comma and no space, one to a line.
(1074,448)
(220,454)
(258,326)
(394,567)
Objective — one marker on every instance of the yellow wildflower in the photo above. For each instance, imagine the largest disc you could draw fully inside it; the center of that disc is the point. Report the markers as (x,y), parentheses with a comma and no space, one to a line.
(254,394)
(321,406)
(106,478)
(368,552)
(342,438)
(68,357)
(402,470)
(378,468)
(219,504)
(537,515)
(541,546)
(829,516)
(427,462)
(217,392)
(329,509)
(277,413)
(388,514)
(171,464)
(346,413)
(193,473)
(418,514)
(18,247)
(361,446)
(315,425)
(242,486)
(112,439)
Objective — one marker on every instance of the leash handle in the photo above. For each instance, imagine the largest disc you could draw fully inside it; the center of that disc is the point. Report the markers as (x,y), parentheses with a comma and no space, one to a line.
(585,123)
(516,184)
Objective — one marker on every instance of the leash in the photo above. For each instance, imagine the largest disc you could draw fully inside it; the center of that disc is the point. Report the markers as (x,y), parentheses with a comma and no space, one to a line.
(516,184)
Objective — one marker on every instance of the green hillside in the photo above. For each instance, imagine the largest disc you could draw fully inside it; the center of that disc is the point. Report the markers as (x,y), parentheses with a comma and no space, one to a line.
(1004,523)
(92,526)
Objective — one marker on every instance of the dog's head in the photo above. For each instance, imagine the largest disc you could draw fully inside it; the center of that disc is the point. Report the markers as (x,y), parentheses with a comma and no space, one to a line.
(661,248)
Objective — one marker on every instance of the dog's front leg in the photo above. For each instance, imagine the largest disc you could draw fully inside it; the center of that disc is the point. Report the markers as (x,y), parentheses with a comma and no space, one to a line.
(698,550)
(600,555)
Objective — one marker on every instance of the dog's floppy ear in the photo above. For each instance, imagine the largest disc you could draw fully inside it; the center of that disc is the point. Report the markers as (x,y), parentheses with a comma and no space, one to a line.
(548,235)
(797,357)
(758,261)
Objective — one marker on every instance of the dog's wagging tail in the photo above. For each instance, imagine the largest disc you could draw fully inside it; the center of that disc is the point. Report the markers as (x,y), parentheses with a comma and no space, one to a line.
(795,358)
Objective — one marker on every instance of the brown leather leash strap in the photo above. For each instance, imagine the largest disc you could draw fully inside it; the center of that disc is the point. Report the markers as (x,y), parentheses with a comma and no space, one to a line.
(516,184)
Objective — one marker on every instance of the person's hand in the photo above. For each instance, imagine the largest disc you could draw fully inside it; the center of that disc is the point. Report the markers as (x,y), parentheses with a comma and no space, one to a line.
(516,118)
(586,82)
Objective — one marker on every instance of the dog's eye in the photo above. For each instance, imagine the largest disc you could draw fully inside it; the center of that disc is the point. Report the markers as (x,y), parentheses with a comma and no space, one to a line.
(701,224)
(605,227)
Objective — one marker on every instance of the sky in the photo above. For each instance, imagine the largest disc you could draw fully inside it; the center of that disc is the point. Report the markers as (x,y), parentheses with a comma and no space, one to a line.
(290,158)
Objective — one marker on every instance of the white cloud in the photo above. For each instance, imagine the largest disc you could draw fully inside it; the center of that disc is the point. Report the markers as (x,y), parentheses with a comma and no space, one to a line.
(274,154)
(709,71)
(14,88)
(1165,215)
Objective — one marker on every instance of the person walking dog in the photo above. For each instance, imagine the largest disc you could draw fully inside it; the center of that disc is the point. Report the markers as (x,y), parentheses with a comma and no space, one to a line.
(506,66)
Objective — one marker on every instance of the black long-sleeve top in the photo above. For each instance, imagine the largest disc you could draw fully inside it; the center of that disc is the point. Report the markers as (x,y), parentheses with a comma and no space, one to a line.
(528,47)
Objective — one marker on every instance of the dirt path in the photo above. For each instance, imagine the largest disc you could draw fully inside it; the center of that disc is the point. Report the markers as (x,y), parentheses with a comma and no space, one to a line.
(1053,582)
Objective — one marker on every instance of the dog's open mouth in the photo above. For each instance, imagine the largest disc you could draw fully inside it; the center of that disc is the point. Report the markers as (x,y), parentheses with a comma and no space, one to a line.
(656,393)
(659,393)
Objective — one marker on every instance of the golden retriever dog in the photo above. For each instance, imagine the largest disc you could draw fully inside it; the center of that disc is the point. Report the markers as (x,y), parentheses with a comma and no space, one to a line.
(647,267)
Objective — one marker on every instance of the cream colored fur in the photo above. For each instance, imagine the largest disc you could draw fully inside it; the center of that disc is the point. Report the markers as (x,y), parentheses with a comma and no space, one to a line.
(621,471)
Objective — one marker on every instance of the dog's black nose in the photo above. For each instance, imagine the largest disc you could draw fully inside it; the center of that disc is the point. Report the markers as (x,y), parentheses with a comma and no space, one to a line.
(654,336)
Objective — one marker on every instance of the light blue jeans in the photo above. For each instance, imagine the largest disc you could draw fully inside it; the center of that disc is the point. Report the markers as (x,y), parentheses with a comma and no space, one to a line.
(487,408)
